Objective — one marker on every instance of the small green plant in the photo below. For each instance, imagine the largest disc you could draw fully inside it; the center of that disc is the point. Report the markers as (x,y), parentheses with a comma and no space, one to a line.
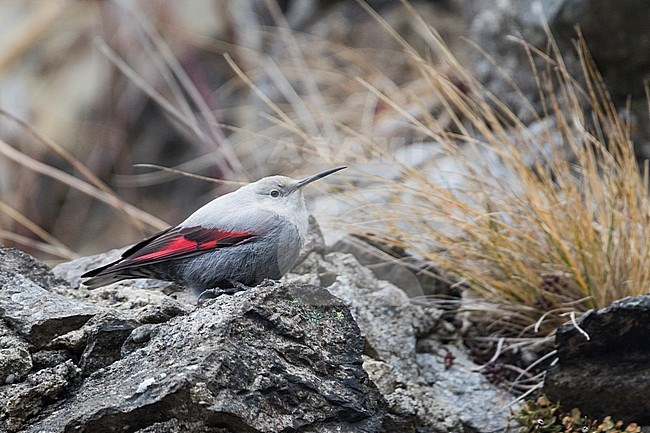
(542,415)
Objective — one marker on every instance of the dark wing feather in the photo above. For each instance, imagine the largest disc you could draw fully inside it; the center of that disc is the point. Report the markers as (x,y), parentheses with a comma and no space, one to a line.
(171,244)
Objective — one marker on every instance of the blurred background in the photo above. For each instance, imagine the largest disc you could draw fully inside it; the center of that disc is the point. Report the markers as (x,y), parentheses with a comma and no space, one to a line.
(115,83)
(88,89)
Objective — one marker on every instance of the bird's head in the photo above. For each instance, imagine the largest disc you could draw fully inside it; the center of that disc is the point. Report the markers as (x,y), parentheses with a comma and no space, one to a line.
(282,194)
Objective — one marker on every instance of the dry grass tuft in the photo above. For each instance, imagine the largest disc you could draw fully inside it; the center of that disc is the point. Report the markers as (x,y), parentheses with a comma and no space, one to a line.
(552,222)
(550,228)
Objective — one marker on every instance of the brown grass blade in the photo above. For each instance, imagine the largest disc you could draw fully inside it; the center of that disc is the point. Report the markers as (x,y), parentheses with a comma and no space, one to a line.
(82,186)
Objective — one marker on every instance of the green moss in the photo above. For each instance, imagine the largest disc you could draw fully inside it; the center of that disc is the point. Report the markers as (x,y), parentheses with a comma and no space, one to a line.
(542,415)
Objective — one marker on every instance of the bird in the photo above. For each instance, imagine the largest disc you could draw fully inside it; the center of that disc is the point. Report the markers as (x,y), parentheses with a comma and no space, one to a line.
(236,241)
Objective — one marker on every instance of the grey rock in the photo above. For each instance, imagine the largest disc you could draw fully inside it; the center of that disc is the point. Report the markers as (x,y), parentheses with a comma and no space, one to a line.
(39,315)
(610,373)
(36,313)
(422,394)
(381,310)
(413,406)
(47,358)
(140,335)
(27,399)
(268,359)
(617,33)
(142,300)
(427,318)
(177,426)
(105,337)
(161,311)
(415,277)
(455,391)
(282,358)
(480,405)
(315,242)
(15,361)
(15,266)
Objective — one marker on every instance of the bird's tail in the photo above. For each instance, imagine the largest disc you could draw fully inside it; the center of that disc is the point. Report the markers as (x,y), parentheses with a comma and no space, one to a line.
(103,280)
(100,277)
(107,275)
(103,276)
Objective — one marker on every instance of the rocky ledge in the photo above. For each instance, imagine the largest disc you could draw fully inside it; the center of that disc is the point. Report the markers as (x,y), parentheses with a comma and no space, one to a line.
(330,348)
(278,358)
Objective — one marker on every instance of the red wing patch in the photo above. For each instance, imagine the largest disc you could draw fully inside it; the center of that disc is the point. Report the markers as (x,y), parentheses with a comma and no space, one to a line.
(170,244)
(180,242)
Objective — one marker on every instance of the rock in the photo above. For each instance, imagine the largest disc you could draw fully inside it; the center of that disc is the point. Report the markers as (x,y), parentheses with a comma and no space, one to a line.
(177,426)
(480,405)
(38,314)
(15,361)
(415,277)
(49,358)
(413,406)
(427,318)
(27,399)
(381,310)
(616,33)
(281,358)
(315,243)
(422,394)
(105,338)
(609,374)
(15,266)
(268,359)
(455,392)
(113,348)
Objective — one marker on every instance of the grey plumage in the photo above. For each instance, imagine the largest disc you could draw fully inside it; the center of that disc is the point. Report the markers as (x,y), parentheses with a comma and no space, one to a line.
(245,237)
(249,263)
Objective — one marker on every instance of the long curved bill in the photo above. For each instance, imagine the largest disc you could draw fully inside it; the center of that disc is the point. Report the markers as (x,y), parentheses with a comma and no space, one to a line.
(315,177)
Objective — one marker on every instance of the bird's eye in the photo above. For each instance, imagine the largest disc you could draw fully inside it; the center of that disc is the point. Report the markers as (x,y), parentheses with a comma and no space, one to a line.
(274,193)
